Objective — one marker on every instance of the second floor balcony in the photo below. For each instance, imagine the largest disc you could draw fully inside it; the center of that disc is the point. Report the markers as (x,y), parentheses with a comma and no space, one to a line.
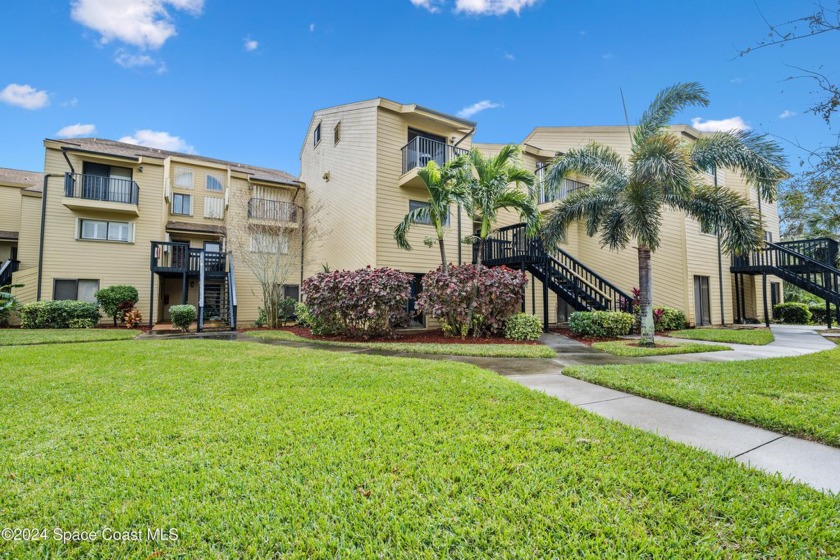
(421,150)
(268,210)
(171,258)
(545,195)
(94,192)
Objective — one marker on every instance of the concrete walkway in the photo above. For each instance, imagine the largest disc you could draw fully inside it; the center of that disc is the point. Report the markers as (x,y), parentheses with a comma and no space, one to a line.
(811,463)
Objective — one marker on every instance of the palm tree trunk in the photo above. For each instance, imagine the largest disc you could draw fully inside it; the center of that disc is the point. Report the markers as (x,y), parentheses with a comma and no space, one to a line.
(443,264)
(474,295)
(648,328)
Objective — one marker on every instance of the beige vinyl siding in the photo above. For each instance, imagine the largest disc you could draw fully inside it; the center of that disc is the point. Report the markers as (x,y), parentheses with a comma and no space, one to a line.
(30,228)
(344,207)
(10,208)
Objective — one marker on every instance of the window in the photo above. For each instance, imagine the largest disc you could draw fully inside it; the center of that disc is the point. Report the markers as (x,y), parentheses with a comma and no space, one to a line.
(415,204)
(214,207)
(269,243)
(100,230)
(702,303)
(83,290)
(292,292)
(214,184)
(317,136)
(768,236)
(184,178)
(182,204)
(337,133)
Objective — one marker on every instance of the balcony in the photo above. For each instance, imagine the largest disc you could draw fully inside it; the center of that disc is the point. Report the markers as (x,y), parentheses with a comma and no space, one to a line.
(419,152)
(173,258)
(276,211)
(93,192)
(567,187)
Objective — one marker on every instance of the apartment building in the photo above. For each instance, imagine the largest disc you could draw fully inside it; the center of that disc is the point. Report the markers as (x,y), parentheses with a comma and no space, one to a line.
(163,222)
(360,161)
(13,183)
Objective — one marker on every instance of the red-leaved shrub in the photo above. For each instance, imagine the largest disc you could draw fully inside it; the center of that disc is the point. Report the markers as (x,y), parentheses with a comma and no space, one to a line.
(358,303)
(446,297)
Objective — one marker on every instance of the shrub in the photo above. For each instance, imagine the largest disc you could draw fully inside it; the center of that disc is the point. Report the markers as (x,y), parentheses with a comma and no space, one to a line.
(792,313)
(115,301)
(601,324)
(182,316)
(446,297)
(81,323)
(669,319)
(523,327)
(302,315)
(359,303)
(8,303)
(56,314)
(132,318)
(286,310)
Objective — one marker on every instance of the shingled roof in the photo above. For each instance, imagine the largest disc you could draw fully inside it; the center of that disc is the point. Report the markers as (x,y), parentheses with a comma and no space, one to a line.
(21,177)
(112,147)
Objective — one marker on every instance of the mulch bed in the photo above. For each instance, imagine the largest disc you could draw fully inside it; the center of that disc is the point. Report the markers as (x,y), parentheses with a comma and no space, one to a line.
(430,337)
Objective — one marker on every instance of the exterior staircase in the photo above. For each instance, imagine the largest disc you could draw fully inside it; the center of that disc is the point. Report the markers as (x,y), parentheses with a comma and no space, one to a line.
(7,268)
(810,264)
(575,283)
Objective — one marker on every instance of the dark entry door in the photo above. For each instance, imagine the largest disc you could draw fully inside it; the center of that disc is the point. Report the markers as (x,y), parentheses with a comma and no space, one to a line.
(702,303)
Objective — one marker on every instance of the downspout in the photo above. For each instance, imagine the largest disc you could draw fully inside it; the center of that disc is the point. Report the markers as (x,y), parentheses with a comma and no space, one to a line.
(720,268)
(64,153)
(302,247)
(43,226)
(455,145)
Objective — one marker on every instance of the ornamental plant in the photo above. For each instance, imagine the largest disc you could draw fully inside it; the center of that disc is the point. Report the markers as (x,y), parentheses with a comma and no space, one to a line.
(600,324)
(115,301)
(792,313)
(132,318)
(363,303)
(523,327)
(447,297)
(183,316)
(57,314)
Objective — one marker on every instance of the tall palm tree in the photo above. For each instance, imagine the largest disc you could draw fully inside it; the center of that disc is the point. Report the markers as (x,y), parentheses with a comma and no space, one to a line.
(442,184)
(627,198)
(495,183)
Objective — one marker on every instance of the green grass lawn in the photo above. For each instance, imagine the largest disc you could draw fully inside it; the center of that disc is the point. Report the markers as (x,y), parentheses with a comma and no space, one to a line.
(798,396)
(454,349)
(631,348)
(252,450)
(755,337)
(15,337)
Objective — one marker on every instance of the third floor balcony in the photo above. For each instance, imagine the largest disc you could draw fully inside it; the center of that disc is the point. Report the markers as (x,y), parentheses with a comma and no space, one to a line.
(94,192)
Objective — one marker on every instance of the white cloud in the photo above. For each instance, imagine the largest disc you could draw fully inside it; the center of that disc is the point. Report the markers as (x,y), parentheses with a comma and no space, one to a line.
(471,110)
(146,24)
(312,27)
(786,114)
(251,45)
(736,80)
(158,139)
(76,130)
(725,125)
(492,7)
(133,60)
(509,57)
(25,96)
(70,102)
(477,7)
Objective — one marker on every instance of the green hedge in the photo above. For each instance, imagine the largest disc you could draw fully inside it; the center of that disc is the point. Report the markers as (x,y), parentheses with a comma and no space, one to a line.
(602,324)
(61,314)
(182,316)
(523,327)
(792,313)
(818,313)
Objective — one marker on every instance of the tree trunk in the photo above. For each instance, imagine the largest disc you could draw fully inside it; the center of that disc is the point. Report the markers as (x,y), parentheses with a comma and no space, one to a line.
(444,265)
(474,295)
(647,328)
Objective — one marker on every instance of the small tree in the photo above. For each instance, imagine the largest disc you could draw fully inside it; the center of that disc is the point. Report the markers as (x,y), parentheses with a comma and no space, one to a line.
(442,183)
(8,303)
(115,301)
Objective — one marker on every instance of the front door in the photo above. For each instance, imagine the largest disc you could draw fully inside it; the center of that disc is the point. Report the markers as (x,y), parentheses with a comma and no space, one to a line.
(775,294)
(702,305)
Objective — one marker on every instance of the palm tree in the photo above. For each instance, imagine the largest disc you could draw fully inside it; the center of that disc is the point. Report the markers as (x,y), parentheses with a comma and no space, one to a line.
(442,184)
(496,183)
(627,198)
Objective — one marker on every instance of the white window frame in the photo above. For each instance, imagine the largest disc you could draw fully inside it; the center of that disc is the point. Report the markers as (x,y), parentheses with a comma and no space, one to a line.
(182,195)
(77,281)
(316,135)
(109,226)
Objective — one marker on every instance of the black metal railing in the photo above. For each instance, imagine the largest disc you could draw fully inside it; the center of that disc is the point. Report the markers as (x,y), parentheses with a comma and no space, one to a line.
(9,267)
(421,150)
(579,285)
(567,187)
(231,285)
(107,189)
(178,257)
(272,210)
(823,249)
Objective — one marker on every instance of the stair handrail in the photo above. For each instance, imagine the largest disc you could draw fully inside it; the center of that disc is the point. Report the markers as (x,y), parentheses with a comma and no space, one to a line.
(828,268)
(231,292)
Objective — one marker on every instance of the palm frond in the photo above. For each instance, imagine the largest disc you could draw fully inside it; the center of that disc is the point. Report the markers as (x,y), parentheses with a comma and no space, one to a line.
(720,209)
(422,214)
(642,209)
(615,233)
(598,162)
(661,162)
(590,204)
(666,105)
(760,161)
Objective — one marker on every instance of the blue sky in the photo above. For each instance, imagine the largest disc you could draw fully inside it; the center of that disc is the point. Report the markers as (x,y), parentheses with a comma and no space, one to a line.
(239,80)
